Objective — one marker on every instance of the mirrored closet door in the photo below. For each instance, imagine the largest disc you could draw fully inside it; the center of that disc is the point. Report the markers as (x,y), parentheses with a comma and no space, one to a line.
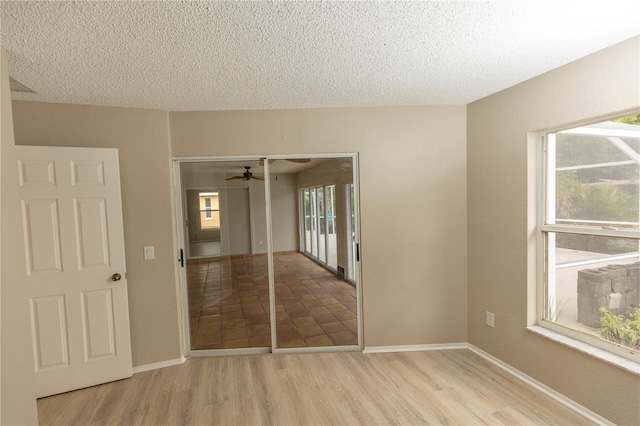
(269,235)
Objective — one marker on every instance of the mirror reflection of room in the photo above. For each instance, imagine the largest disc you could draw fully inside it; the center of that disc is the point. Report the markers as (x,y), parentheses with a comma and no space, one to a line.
(313,234)
(203,213)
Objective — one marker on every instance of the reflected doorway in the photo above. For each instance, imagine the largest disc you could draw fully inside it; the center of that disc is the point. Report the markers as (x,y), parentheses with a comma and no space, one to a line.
(203,223)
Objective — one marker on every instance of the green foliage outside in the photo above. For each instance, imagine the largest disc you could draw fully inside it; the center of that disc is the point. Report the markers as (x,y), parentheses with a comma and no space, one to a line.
(616,328)
(601,193)
(605,202)
(596,194)
(630,119)
(554,309)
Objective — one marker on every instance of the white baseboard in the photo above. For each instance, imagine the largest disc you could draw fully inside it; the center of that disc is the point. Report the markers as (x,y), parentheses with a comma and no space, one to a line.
(414,348)
(569,403)
(157,365)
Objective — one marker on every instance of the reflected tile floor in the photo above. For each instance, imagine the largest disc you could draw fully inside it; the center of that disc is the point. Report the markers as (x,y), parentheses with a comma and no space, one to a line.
(229,303)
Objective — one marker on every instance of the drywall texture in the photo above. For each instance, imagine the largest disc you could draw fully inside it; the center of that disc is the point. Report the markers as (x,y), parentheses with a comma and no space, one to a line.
(17,392)
(141,136)
(412,197)
(499,230)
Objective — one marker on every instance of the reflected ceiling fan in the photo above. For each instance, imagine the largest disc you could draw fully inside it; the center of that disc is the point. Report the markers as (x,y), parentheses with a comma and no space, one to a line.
(293,160)
(247,175)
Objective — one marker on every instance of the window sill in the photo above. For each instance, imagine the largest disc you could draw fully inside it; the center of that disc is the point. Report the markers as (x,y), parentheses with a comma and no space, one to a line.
(601,354)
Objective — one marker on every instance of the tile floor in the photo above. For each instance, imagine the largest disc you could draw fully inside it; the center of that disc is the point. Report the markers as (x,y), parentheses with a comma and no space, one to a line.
(229,303)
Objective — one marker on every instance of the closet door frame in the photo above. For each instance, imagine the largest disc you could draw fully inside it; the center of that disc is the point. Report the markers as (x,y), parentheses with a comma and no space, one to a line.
(180,248)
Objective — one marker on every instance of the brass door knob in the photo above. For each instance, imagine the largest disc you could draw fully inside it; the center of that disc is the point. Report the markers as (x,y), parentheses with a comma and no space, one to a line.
(116,277)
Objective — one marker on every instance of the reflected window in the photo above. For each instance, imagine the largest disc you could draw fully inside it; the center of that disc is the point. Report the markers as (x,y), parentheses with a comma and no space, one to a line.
(209,210)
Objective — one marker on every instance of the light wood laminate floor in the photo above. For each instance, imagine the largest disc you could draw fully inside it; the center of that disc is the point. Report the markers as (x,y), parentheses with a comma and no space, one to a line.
(348,388)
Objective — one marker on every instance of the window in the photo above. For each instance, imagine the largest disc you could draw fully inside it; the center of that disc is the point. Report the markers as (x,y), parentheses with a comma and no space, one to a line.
(209,210)
(589,235)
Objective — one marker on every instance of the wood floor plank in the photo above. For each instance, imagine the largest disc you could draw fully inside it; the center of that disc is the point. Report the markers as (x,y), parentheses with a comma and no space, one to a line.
(347,388)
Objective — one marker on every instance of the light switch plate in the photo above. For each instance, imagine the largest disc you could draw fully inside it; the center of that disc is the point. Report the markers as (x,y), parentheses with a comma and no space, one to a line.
(149,253)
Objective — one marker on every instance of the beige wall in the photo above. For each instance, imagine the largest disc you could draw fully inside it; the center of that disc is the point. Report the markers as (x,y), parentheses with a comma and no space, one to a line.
(284,212)
(17,391)
(603,83)
(141,137)
(413,178)
(413,201)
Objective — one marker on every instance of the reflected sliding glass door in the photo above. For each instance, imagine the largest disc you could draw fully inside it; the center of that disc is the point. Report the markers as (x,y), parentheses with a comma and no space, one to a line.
(315,307)
(330,234)
(350,232)
(227,291)
(319,233)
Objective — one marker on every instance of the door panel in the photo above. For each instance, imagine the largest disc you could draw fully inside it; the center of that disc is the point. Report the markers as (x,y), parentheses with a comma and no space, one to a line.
(314,307)
(228,296)
(41,222)
(321,227)
(36,173)
(350,232)
(87,173)
(74,242)
(97,325)
(307,220)
(332,241)
(50,344)
(314,222)
(91,232)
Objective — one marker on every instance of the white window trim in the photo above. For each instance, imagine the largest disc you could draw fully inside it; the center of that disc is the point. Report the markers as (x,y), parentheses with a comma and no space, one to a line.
(602,354)
(609,352)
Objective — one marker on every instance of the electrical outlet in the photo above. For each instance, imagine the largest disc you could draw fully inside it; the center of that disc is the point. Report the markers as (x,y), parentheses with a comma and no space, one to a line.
(491,319)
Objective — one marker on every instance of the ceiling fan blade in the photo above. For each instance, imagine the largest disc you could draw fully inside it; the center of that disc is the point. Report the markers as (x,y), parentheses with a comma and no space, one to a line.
(257,177)
(235,177)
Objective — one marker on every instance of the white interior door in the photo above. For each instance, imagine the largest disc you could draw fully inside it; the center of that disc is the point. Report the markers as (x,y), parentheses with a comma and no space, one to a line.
(77,287)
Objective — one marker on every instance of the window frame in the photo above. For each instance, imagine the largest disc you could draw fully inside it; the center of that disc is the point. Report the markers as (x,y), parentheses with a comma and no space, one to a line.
(544,188)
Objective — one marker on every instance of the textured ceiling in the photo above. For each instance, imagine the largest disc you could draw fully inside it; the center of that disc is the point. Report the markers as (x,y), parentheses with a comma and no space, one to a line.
(175,55)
